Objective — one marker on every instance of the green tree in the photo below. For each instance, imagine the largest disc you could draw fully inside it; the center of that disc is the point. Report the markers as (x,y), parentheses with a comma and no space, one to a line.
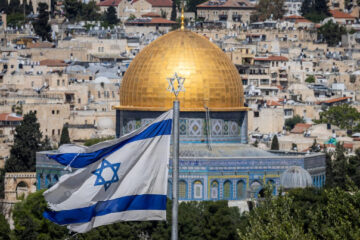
(267,8)
(331,33)
(27,141)
(64,138)
(41,24)
(310,79)
(71,8)
(173,11)
(315,10)
(14,7)
(305,214)
(344,116)
(89,11)
(3,6)
(4,228)
(111,17)
(275,143)
(291,122)
(30,223)
(191,5)
(2,178)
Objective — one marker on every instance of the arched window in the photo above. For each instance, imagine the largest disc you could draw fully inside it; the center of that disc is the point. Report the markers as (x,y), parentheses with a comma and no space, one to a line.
(227,190)
(214,190)
(182,189)
(240,190)
(169,190)
(198,190)
(21,190)
(255,188)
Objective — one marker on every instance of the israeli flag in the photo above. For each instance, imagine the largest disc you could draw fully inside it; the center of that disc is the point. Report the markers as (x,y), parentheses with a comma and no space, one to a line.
(119,180)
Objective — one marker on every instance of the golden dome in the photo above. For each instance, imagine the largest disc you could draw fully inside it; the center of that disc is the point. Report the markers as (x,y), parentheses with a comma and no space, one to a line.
(210,77)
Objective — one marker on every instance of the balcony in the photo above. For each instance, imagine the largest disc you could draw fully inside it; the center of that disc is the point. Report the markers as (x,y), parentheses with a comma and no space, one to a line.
(236,18)
(223,17)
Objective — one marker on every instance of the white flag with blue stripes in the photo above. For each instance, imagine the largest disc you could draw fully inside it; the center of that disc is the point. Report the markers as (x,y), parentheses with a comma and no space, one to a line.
(119,180)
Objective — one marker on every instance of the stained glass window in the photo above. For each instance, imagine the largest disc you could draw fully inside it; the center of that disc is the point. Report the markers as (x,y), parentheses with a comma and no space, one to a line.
(227,190)
(214,190)
(240,190)
(182,189)
(198,190)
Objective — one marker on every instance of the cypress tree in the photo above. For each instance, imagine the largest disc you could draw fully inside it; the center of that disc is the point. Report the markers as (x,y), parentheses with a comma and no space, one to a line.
(65,138)
(27,141)
(41,25)
(275,143)
(110,16)
(173,11)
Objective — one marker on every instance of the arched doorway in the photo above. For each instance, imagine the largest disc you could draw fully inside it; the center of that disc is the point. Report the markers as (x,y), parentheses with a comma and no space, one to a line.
(22,190)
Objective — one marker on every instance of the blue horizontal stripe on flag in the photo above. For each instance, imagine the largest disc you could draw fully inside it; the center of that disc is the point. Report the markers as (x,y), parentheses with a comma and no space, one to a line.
(85,159)
(128,203)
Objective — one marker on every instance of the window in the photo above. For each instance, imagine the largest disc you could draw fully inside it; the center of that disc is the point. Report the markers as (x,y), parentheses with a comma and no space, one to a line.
(214,190)
(99,94)
(53,112)
(53,132)
(227,190)
(182,189)
(240,190)
(57,111)
(58,131)
(79,100)
(58,82)
(198,190)
(63,82)
(113,94)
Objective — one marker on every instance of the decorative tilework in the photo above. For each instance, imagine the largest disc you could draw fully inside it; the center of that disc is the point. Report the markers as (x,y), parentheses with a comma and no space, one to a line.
(195,127)
(226,128)
(130,126)
(234,128)
(216,127)
(182,126)
(138,124)
(145,121)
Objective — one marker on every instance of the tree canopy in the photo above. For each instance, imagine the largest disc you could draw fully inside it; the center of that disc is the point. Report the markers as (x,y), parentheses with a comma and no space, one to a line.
(291,122)
(331,33)
(315,10)
(41,24)
(305,214)
(267,8)
(275,143)
(110,17)
(27,141)
(344,116)
(64,138)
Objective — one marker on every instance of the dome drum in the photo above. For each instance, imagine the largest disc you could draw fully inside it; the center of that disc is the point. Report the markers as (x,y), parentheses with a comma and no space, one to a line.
(194,127)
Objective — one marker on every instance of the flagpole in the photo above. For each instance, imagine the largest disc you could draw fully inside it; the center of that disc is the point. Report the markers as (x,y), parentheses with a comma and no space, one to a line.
(175,159)
(175,170)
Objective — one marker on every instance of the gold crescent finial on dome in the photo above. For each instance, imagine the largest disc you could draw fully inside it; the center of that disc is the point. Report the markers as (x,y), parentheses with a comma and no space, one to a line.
(182,15)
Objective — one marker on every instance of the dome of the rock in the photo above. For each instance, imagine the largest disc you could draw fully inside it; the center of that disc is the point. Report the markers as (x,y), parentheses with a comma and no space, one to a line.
(211,79)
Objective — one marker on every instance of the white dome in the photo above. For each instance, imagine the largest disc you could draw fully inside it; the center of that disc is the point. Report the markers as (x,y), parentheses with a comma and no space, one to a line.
(105,123)
(295,177)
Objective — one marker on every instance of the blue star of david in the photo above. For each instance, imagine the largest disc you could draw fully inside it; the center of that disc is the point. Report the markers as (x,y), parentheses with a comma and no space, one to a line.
(98,172)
